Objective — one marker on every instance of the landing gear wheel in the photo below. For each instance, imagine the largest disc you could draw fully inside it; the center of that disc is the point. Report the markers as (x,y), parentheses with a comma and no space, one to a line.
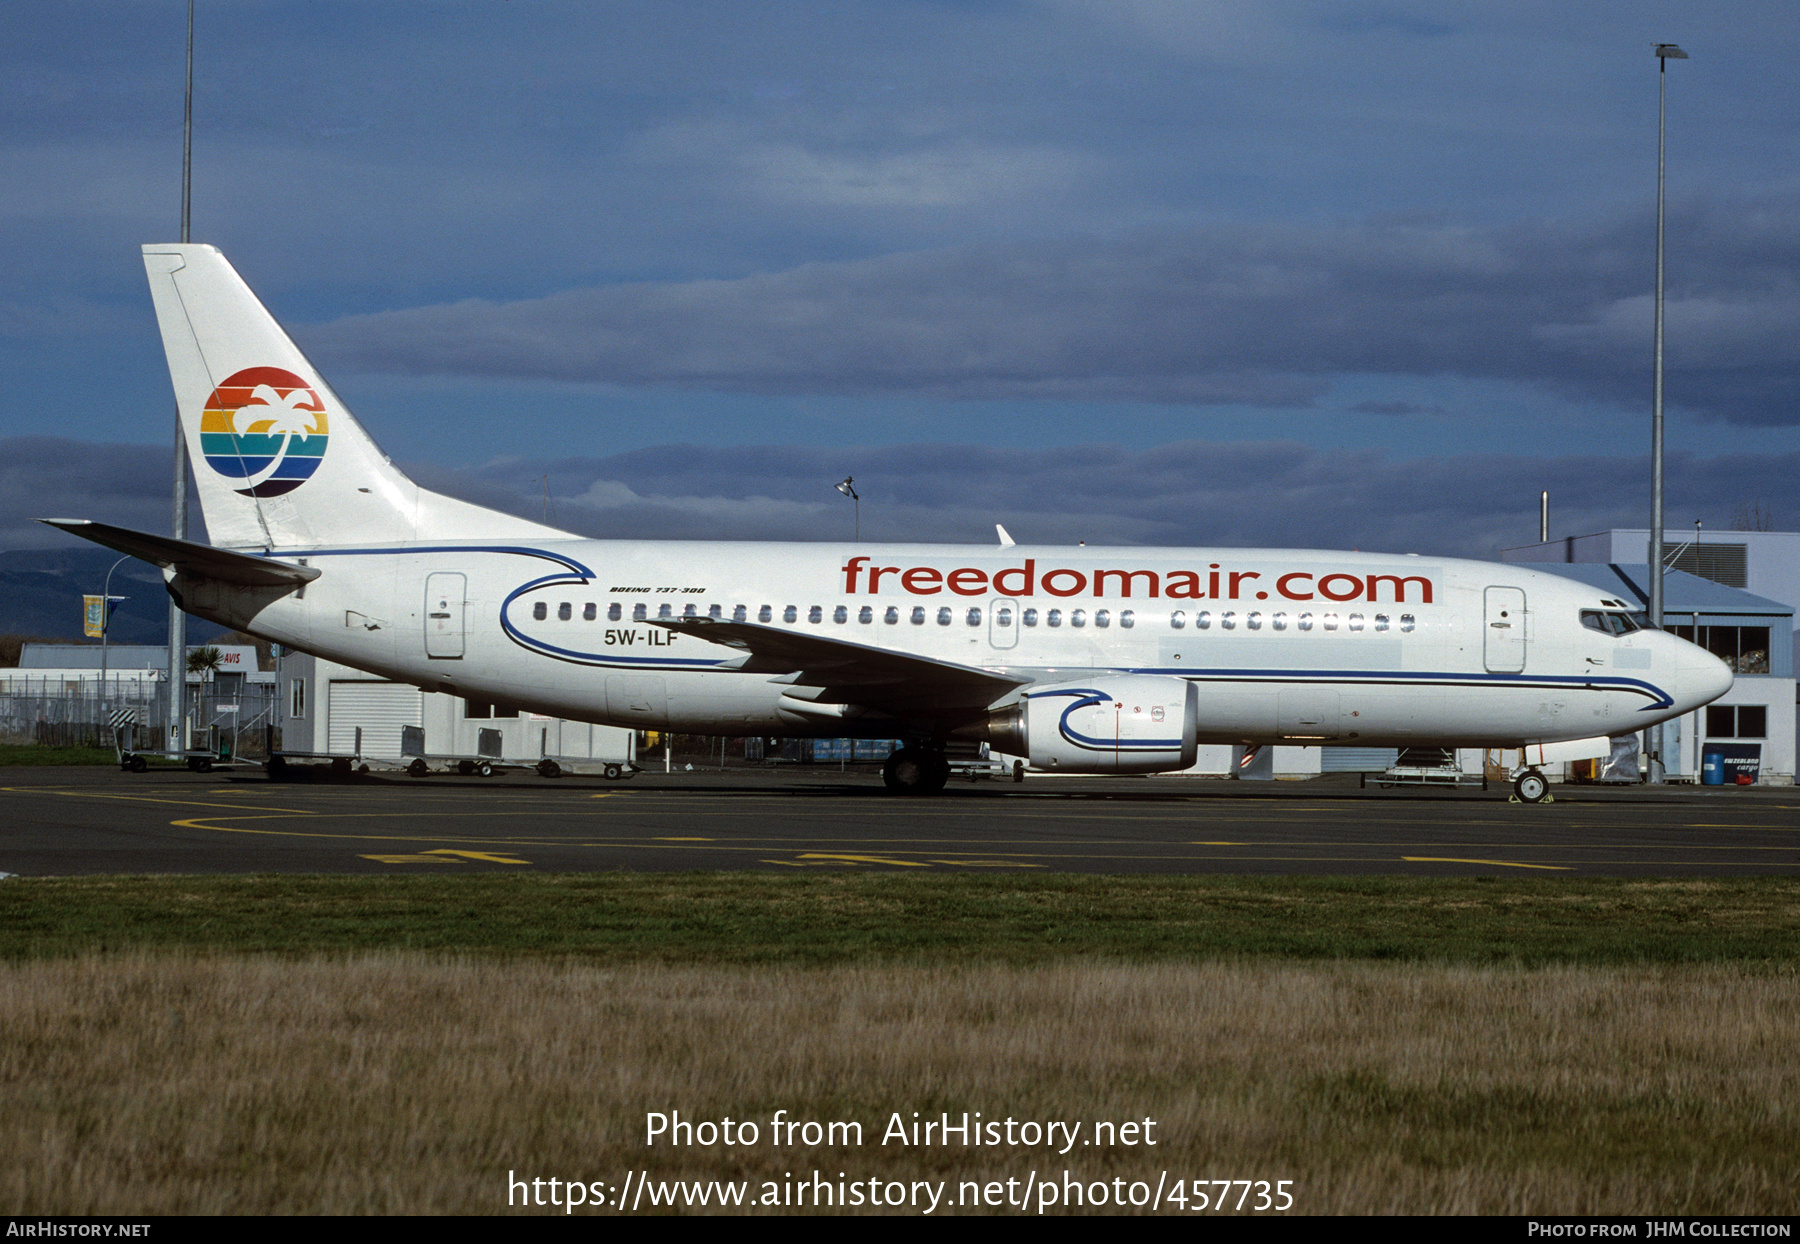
(1531,786)
(612,773)
(418,768)
(484,769)
(137,764)
(548,768)
(915,771)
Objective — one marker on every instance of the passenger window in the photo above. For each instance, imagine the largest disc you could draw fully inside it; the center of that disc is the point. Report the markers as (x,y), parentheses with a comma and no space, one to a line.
(1053,618)
(1203,620)
(1381,621)
(1125,620)
(639,612)
(1253,620)
(892,616)
(1228,620)
(840,614)
(739,613)
(590,612)
(540,611)
(1178,620)
(1356,621)
(1304,622)
(974,618)
(1278,621)
(614,612)
(715,611)
(1102,618)
(790,614)
(765,614)
(1003,616)
(865,615)
(1406,622)
(918,615)
(666,611)
(1029,617)
(690,611)
(816,613)
(1330,621)
(564,612)
(1077,617)
(944,616)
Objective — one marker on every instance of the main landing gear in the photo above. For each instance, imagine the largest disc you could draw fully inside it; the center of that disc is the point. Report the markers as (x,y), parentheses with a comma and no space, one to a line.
(916,771)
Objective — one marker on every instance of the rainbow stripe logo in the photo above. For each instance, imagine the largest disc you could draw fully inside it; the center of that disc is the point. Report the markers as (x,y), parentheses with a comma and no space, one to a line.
(266,427)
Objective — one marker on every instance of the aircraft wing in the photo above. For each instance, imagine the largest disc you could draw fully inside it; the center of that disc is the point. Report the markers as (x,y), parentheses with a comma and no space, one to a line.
(201,560)
(861,674)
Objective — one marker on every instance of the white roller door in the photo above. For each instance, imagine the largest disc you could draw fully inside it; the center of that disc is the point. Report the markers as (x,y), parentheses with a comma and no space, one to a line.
(380,708)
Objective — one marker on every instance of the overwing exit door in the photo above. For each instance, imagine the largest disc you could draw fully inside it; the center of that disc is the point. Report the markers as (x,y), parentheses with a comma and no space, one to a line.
(444,607)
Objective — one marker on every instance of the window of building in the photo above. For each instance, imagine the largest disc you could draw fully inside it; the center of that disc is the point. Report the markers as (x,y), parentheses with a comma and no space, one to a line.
(482,710)
(1744,648)
(298,707)
(1737,721)
(1722,563)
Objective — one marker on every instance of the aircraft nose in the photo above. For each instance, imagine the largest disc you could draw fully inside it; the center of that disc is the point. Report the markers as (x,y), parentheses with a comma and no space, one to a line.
(1701,677)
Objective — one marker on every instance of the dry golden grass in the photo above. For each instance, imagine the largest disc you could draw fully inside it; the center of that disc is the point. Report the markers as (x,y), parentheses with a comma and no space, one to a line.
(396,1083)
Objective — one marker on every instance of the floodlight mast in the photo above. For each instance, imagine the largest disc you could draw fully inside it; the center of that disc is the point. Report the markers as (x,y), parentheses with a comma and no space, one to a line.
(176,739)
(1665,52)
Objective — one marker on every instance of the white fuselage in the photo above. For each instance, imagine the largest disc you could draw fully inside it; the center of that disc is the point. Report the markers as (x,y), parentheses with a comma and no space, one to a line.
(1301,646)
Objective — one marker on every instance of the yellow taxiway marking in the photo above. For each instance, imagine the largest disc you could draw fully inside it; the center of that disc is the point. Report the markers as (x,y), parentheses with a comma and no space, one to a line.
(485,856)
(986,864)
(410,859)
(683,840)
(1218,844)
(817,858)
(1445,859)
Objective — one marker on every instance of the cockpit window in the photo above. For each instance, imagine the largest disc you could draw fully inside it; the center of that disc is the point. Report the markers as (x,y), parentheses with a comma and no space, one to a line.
(1607,622)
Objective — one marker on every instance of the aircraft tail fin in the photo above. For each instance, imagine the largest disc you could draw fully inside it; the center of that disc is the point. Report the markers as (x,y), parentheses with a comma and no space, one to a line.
(279,461)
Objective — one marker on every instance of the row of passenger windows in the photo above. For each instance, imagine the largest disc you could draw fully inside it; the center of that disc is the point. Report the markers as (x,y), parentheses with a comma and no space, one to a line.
(1204,619)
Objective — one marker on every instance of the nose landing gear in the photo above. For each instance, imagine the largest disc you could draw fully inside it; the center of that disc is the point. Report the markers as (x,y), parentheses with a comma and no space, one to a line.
(1531,787)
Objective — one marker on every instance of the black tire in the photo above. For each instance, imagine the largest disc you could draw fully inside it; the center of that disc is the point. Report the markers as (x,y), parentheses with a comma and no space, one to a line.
(1531,786)
(548,768)
(1018,772)
(465,767)
(418,768)
(340,766)
(137,764)
(276,767)
(612,773)
(915,771)
(484,769)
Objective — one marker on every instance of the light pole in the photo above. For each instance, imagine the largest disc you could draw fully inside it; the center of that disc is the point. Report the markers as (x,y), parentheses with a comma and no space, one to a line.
(176,741)
(845,488)
(106,600)
(1665,52)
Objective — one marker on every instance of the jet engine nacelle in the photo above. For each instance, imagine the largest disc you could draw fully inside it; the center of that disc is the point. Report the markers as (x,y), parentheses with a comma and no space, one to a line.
(1126,723)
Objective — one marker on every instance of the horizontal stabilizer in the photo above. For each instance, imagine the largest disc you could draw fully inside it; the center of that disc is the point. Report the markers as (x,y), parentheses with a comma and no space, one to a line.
(877,677)
(201,560)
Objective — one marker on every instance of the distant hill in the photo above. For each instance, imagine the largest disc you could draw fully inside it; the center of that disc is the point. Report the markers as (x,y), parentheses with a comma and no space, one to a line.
(41,591)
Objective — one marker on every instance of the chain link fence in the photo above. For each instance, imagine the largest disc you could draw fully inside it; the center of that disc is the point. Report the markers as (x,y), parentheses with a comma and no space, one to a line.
(53,712)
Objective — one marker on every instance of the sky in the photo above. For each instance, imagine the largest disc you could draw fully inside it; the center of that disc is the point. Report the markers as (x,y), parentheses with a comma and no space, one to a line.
(1161,272)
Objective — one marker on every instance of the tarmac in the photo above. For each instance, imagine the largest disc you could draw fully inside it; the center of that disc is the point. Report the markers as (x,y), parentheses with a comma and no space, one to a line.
(98,821)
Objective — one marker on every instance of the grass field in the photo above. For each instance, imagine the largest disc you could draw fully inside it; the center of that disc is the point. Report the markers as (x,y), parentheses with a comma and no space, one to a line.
(354,1045)
(37,754)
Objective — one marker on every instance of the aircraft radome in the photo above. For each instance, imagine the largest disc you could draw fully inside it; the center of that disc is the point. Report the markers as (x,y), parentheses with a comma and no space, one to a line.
(1082,660)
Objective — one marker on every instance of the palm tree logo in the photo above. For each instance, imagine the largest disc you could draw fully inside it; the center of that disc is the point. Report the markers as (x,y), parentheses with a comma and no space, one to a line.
(266,427)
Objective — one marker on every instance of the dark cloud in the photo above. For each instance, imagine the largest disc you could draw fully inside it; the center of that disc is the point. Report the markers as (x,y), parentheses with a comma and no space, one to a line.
(1196,493)
(1395,408)
(47,477)
(1229,313)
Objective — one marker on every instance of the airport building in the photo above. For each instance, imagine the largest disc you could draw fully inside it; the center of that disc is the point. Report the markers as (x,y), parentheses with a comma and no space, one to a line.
(1732,593)
(333,710)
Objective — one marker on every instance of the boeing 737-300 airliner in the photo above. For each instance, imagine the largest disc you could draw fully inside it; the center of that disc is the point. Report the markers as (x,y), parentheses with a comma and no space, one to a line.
(1081,660)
